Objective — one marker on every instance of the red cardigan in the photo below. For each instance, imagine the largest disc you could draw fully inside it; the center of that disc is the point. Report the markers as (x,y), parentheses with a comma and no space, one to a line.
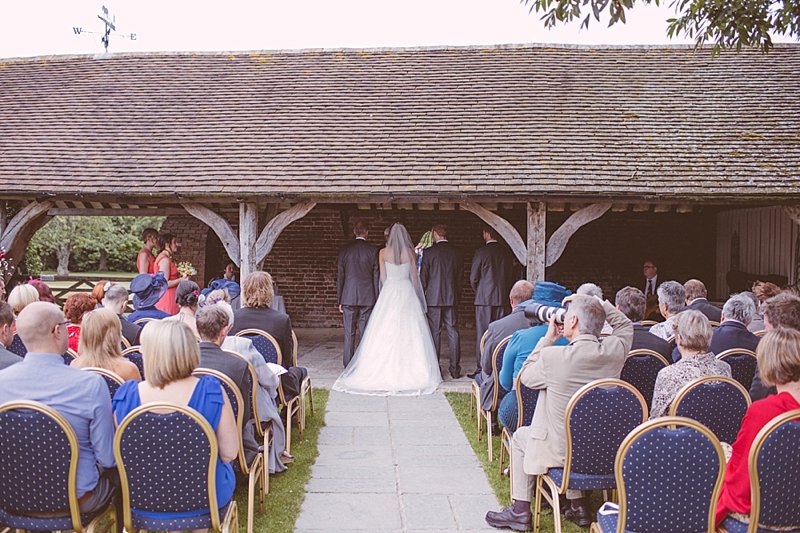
(735,494)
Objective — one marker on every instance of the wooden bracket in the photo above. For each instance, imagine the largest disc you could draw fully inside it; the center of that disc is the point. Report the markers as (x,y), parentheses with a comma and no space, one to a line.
(275,227)
(18,224)
(793,212)
(503,227)
(220,226)
(559,239)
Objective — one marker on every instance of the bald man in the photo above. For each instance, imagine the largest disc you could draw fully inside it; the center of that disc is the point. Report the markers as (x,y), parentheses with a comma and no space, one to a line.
(80,396)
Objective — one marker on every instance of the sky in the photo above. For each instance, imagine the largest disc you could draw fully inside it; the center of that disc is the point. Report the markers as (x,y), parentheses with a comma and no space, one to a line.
(45,27)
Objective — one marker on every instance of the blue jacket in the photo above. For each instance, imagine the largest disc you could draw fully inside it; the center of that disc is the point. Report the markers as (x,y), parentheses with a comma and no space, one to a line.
(517,351)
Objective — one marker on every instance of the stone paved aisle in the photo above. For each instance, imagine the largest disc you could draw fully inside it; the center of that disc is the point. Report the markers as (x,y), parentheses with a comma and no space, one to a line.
(394,465)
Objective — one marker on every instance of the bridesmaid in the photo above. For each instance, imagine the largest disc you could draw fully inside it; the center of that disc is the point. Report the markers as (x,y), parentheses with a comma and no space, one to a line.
(145,260)
(163,263)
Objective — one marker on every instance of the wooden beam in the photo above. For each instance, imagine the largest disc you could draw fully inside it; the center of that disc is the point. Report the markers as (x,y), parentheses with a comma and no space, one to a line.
(120,212)
(508,232)
(537,217)
(559,239)
(220,226)
(16,226)
(275,227)
(793,212)
(248,229)
(3,216)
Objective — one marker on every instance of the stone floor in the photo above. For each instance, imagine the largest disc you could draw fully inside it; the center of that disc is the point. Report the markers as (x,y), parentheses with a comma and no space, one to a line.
(321,352)
(391,465)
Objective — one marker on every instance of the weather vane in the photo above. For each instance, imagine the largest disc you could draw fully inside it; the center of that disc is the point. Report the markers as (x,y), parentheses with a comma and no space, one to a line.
(110,23)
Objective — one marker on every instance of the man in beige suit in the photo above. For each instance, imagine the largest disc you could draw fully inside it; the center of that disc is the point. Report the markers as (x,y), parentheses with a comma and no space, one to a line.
(558,372)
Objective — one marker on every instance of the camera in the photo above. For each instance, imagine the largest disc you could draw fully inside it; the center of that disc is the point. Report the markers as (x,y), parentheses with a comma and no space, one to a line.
(543,313)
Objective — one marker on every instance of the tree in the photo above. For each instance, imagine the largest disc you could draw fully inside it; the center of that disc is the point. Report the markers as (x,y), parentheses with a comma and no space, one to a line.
(727,23)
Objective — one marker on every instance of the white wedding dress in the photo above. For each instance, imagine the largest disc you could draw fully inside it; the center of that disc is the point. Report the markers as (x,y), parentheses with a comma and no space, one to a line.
(396,354)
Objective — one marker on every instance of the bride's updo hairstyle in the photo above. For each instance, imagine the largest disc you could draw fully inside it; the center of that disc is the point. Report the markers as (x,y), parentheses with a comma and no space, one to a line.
(257,290)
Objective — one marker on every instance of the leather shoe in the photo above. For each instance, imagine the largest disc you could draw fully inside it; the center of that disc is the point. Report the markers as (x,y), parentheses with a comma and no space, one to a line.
(579,515)
(508,518)
(472,375)
(456,374)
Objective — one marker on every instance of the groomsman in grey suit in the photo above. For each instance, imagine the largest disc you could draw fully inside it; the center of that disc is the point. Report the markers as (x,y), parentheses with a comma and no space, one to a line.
(357,286)
(490,277)
(441,275)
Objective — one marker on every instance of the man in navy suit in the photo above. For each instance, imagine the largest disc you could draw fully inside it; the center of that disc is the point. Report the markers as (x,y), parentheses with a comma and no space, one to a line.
(632,303)
(737,313)
(697,300)
(441,276)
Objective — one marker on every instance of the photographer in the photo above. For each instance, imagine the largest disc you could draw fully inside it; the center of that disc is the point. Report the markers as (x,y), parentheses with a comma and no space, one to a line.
(558,372)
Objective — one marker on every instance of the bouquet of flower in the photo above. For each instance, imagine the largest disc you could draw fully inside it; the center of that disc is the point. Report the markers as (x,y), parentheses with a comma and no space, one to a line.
(6,268)
(186,269)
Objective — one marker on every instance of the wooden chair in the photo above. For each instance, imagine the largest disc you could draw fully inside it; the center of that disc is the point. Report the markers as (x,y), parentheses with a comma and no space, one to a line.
(475,389)
(306,395)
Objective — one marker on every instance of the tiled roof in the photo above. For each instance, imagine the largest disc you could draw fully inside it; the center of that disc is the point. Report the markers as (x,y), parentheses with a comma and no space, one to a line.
(497,122)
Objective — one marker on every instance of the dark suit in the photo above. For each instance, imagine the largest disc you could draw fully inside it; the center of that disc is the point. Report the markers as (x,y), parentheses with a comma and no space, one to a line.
(130,330)
(732,334)
(356,289)
(489,276)
(441,276)
(497,331)
(8,358)
(277,324)
(643,339)
(712,312)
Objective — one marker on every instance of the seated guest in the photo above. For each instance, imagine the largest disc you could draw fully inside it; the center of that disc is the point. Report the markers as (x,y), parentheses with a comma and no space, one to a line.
(230,287)
(499,330)
(99,345)
(21,296)
(171,354)
(781,311)
(2,289)
(147,290)
(99,291)
(631,302)
(75,307)
(188,297)
(591,289)
(45,293)
(671,301)
(757,323)
(519,348)
(257,293)
(81,397)
(697,300)
(7,336)
(737,313)
(693,336)
(779,364)
(559,371)
(116,299)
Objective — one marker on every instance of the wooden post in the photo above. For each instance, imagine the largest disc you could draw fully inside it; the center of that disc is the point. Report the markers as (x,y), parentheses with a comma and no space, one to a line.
(3,217)
(537,213)
(248,231)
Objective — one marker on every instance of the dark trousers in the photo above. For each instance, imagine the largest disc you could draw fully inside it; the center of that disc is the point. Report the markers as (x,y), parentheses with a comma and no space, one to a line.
(485,315)
(447,315)
(353,315)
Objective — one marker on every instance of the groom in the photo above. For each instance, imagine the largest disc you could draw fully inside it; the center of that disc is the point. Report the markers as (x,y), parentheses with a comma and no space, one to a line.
(441,275)
(357,286)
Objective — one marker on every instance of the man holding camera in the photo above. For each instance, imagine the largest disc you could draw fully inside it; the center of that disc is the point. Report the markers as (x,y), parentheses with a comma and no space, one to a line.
(558,372)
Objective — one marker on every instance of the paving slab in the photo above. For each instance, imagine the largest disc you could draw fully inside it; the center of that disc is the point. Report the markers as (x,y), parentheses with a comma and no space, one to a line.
(395,465)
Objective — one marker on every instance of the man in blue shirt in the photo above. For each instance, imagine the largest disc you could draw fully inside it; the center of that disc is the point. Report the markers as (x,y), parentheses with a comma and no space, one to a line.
(80,396)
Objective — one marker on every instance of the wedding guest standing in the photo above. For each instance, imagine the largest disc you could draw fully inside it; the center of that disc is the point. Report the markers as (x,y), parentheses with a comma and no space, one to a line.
(441,275)
(490,277)
(145,259)
(356,286)
(165,264)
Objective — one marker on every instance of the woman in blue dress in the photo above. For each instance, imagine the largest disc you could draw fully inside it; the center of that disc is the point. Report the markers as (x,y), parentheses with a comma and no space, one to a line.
(171,354)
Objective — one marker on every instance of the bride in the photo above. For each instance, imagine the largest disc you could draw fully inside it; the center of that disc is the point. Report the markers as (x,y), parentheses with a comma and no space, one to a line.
(396,354)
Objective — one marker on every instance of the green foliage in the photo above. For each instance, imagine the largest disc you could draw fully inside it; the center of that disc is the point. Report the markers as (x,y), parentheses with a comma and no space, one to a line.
(727,23)
(86,243)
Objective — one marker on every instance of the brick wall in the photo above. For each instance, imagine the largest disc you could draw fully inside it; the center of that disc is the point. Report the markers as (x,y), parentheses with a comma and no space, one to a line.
(609,251)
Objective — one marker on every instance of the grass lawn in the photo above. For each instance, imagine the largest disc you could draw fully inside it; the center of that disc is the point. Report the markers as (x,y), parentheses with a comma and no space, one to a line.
(459,401)
(287,489)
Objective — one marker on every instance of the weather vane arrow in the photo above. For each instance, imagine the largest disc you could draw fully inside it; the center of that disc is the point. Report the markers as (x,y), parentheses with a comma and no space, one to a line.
(110,26)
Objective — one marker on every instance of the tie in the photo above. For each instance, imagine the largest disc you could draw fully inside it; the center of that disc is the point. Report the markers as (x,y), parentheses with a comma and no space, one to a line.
(649,289)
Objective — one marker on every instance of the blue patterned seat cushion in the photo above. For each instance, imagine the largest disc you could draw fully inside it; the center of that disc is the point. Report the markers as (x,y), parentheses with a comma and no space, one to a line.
(607,523)
(176,524)
(45,524)
(583,481)
(734,526)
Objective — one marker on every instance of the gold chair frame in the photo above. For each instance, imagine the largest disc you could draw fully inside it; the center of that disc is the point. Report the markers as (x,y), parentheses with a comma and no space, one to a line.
(136,348)
(644,351)
(484,414)
(506,435)
(475,390)
(714,323)
(293,405)
(143,321)
(760,333)
(543,479)
(230,523)
(686,389)
(253,471)
(72,476)
(648,322)
(306,392)
(125,342)
(670,422)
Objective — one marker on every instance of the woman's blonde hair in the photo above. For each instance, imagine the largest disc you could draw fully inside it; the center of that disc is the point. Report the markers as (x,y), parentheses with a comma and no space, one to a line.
(170,352)
(21,296)
(694,330)
(778,355)
(101,335)
(257,290)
